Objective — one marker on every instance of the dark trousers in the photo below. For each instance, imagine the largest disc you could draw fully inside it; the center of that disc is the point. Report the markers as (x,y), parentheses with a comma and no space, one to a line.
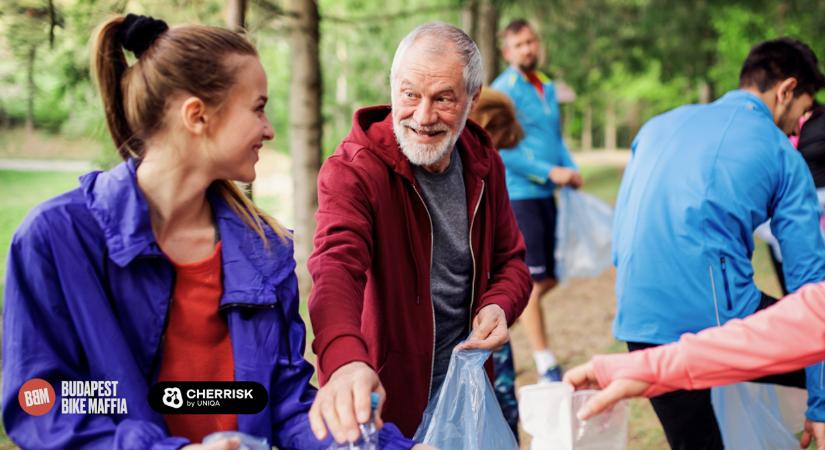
(687,416)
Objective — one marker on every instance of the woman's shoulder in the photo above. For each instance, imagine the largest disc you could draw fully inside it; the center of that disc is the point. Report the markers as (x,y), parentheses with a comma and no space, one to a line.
(56,218)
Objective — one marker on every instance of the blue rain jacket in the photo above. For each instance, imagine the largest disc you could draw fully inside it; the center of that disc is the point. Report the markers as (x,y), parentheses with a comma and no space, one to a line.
(87,295)
(528,164)
(700,179)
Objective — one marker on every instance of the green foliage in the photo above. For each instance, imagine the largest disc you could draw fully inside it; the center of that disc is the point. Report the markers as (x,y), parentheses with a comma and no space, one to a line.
(641,56)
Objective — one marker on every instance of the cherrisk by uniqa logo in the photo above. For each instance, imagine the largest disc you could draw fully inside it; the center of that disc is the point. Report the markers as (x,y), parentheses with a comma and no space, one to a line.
(172,397)
(208,397)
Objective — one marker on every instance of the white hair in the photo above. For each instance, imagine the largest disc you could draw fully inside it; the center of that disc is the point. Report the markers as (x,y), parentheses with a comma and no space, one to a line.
(439,33)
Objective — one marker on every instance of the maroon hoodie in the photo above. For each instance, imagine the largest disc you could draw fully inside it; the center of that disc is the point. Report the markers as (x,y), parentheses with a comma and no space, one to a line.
(370,268)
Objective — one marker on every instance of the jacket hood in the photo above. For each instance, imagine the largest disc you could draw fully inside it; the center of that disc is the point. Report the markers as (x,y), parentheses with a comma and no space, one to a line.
(372,130)
(251,267)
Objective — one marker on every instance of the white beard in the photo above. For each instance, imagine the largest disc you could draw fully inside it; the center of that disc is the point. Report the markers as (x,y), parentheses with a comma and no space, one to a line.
(427,154)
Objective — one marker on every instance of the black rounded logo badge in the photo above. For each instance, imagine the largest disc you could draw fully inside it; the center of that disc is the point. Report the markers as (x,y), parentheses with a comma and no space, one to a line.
(208,397)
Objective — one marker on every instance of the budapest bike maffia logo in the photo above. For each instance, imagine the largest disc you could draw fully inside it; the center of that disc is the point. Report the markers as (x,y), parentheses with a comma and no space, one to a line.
(172,397)
(212,397)
(36,397)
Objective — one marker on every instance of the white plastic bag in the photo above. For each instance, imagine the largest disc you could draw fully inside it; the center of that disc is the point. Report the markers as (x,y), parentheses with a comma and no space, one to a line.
(466,414)
(583,235)
(759,416)
(548,413)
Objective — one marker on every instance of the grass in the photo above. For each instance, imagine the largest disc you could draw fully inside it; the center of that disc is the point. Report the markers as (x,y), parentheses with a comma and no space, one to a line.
(21,192)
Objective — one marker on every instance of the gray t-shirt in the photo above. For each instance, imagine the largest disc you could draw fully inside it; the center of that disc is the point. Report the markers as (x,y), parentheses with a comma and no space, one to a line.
(452,264)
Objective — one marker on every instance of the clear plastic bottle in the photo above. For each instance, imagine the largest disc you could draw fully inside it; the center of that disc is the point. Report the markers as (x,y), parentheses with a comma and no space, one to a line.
(369,432)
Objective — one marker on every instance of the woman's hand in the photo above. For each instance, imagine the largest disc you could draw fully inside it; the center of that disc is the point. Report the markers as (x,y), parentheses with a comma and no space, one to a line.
(584,377)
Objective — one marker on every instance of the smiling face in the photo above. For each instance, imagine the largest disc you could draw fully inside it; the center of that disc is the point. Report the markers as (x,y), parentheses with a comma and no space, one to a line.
(242,124)
(521,49)
(430,104)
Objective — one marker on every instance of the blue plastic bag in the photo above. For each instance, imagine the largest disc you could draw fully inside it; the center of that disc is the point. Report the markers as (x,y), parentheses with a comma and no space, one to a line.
(583,235)
(465,414)
(750,416)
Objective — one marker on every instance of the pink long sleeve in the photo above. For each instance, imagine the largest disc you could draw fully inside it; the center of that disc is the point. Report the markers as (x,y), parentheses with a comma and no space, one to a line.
(787,336)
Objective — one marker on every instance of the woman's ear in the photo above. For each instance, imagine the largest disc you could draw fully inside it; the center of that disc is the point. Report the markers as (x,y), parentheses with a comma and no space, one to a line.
(194,115)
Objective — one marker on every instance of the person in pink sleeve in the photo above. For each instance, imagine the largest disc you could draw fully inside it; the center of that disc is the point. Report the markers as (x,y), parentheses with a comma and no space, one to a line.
(785,337)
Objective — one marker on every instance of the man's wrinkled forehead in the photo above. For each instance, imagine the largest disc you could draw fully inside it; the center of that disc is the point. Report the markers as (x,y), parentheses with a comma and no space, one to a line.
(430,53)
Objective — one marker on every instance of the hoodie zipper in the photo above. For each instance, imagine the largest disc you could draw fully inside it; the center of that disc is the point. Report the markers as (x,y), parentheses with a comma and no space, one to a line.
(432,307)
(472,256)
(725,280)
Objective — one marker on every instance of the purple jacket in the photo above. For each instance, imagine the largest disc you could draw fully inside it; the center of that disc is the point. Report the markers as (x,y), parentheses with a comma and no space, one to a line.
(87,296)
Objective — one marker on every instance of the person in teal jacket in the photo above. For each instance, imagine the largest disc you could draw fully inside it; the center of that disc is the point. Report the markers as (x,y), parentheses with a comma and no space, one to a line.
(534,167)
(700,179)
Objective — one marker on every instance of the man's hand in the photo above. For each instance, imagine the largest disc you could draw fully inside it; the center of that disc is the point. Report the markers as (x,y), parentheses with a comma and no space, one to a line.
(813,430)
(344,402)
(583,377)
(489,330)
(223,444)
(563,176)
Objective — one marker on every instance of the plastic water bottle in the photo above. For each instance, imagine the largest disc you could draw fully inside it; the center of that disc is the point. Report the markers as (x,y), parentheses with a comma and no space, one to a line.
(248,442)
(369,432)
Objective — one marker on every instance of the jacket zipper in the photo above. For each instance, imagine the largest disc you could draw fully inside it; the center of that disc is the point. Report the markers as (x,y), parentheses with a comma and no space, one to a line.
(472,256)
(725,280)
(713,291)
(432,307)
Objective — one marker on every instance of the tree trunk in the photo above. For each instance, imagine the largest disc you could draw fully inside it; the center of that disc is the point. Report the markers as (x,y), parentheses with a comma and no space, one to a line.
(236,21)
(587,128)
(610,130)
(486,39)
(469,18)
(304,127)
(705,92)
(31,88)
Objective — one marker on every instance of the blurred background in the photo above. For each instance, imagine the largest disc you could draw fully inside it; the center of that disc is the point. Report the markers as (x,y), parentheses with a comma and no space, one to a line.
(616,63)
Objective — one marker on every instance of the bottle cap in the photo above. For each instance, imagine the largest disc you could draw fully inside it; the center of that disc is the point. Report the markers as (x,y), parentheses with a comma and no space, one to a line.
(374,398)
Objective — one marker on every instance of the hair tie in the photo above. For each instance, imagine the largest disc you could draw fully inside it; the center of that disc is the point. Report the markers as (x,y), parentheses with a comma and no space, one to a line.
(137,33)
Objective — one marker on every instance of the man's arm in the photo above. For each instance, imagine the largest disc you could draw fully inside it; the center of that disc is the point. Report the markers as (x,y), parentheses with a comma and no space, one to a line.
(795,224)
(338,266)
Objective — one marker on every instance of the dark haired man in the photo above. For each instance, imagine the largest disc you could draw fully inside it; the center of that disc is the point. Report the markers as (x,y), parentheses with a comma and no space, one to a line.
(534,167)
(700,179)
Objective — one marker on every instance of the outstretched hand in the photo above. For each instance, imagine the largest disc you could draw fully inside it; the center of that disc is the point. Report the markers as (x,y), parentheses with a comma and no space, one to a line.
(584,377)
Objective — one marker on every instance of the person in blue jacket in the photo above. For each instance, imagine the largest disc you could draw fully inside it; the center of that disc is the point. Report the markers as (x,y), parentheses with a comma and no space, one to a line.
(95,275)
(534,167)
(700,179)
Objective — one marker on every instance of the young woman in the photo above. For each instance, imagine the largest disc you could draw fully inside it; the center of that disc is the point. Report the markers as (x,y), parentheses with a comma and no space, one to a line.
(160,269)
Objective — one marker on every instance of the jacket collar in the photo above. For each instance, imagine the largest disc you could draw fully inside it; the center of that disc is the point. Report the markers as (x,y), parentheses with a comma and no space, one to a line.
(251,269)
(514,74)
(748,100)
(372,129)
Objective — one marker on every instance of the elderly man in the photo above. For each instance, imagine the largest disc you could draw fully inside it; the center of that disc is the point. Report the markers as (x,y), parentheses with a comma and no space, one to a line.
(416,246)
